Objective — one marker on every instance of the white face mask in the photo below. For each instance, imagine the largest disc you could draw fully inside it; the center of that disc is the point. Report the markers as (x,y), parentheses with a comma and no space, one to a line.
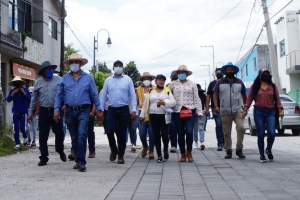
(74,67)
(146,83)
(118,70)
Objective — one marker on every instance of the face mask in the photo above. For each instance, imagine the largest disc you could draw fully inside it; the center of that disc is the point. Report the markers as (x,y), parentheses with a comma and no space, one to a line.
(230,74)
(265,78)
(74,67)
(49,73)
(118,70)
(219,75)
(146,83)
(181,77)
(159,87)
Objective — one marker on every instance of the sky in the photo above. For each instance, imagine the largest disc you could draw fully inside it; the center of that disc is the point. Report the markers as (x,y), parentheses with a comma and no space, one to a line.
(160,35)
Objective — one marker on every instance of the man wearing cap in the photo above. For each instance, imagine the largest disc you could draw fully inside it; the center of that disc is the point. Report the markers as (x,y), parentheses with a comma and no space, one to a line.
(120,88)
(231,91)
(216,116)
(44,93)
(78,91)
(21,98)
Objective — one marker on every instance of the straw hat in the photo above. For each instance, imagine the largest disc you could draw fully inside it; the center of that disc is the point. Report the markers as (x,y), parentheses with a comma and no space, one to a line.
(146,75)
(17,78)
(183,68)
(76,56)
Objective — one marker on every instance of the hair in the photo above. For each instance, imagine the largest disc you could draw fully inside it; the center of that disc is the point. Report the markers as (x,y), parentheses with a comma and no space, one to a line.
(257,83)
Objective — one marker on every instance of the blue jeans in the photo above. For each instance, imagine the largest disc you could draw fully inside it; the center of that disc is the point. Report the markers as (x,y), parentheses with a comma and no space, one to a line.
(32,126)
(45,123)
(19,124)
(91,135)
(199,127)
(117,122)
(132,126)
(145,128)
(185,131)
(173,133)
(219,129)
(77,122)
(265,119)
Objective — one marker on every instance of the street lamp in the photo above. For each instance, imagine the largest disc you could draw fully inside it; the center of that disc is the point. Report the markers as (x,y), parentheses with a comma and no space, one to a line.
(96,47)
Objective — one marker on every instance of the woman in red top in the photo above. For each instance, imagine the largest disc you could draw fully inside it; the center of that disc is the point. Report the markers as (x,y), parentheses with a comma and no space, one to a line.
(262,92)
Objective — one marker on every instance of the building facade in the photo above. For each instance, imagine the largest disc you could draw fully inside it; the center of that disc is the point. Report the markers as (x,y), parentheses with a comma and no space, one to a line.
(30,34)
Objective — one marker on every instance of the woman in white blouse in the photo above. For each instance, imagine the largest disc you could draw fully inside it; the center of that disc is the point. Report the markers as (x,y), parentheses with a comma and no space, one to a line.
(157,109)
(186,95)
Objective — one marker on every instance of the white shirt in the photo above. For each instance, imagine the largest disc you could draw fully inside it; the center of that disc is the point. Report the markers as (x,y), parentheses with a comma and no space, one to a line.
(155,97)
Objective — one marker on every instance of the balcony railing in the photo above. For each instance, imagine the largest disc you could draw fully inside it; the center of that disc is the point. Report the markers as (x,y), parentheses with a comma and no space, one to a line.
(293,59)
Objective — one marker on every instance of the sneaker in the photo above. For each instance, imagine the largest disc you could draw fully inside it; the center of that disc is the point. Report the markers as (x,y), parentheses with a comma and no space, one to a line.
(202,146)
(42,163)
(269,154)
(72,156)
(240,154)
(133,148)
(166,154)
(263,159)
(92,154)
(220,148)
(29,141)
(25,141)
(82,167)
(196,146)
(173,149)
(17,147)
(33,143)
(76,166)
(159,159)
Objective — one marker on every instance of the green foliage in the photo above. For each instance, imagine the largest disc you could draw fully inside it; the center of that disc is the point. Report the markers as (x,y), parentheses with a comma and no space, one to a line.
(99,80)
(131,70)
(101,68)
(68,50)
(5,130)
(23,38)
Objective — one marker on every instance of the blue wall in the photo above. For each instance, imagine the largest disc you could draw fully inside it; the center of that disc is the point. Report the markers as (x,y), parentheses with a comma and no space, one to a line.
(252,74)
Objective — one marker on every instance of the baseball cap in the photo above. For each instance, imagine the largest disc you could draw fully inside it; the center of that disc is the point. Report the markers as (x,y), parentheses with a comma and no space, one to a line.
(118,62)
(159,76)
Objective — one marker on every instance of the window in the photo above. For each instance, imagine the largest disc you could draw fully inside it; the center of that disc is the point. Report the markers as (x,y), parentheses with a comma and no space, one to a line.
(282,48)
(52,28)
(254,64)
(242,73)
(19,16)
(246,69)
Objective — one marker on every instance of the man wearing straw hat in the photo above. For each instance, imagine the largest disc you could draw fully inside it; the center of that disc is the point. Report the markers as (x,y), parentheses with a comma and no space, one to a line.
(21,97)
(44,93)
(78,91)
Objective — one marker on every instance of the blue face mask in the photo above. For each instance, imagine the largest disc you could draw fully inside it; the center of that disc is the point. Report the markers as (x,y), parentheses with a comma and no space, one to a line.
(49,73)
(74,67)
(118,70)
(181,77)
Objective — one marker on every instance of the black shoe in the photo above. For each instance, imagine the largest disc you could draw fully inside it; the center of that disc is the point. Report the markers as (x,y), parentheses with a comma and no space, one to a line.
(220,148)
(63,157)
(72,156)
(240,154)
(270,155)
(166,155)
(76,166)
(263,159)
(113,156)
(42,163)
(159,159)
(228,154)
(82,167)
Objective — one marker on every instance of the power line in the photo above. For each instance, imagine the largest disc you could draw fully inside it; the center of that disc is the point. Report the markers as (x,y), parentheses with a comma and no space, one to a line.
(39,8)
(246,30)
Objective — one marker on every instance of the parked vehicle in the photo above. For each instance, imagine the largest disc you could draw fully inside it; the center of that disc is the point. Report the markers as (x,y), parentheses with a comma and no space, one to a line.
(291,119)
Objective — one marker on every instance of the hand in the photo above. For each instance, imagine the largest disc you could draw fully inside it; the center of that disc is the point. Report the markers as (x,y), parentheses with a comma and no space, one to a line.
(142,119)
(217,109)
(99,116)
(244,113)
(133,115)
(29,119)
(92,115)
(22,90)
(160,102)
(200,116)
(207,113)
(281,114)
(63,108)
(36,113)
(16,90)
(56,117)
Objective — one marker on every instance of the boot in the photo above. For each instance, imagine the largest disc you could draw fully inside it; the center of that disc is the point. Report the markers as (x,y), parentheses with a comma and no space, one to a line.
(144,151)
(228,154)
(183,157)
(240,154)
(190,157)
(151,155)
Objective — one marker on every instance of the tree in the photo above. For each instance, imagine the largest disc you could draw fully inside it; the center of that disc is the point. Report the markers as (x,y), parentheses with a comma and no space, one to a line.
(99,80)
(131,71)
(68,50)
(101,68)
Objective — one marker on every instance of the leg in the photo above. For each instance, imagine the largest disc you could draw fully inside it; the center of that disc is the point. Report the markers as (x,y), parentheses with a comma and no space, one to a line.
(57,128)
(23,125)
(219,129)
(111,123)
(270,125)
(33,127)
(239,123)
(173,134)
(154,121)
(201,127)
(195,130)
(259,118)
(83,120)
(143,133)
(134,125)
(44,125)
(189,124)
(227,126)
(91,135)
(16,128)
(151,137)
(72,124)
(180,129)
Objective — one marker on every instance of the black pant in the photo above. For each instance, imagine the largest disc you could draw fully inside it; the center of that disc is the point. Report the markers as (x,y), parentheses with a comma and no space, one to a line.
(160,131)
(45,123)
(91,135)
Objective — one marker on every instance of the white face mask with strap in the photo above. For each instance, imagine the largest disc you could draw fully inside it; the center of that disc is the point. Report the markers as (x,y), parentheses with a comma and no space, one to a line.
(146,83)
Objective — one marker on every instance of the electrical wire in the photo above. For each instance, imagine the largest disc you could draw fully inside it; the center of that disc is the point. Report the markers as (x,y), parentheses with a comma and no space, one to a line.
(39,8)
(246,30)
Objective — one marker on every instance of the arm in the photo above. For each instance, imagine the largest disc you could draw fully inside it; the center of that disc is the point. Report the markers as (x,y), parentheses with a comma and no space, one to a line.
(132,96)
(216,97)
(34,99)
(172,101)
(58,99)
(94,95)
(197,101)
(279,105)
(11,94)
(103,94)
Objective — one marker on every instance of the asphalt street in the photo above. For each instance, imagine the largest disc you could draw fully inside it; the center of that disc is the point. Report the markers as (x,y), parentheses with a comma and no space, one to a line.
(209,177)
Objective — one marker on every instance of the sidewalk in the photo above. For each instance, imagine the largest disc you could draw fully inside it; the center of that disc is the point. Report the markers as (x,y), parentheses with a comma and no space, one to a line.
(209,177)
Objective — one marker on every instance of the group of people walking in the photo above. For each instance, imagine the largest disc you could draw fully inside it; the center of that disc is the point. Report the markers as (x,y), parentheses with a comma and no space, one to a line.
(175,113)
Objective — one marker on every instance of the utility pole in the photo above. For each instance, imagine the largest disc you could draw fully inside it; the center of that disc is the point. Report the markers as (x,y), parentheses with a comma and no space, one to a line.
(273,58)
(62,38)
(208,70)
(213,54)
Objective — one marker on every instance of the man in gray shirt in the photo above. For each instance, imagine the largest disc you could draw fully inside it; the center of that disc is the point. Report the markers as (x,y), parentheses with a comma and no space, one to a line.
(45,91)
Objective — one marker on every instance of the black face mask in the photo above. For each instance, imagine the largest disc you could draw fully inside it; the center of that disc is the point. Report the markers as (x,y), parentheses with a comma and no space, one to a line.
(230,74)
(219,75)
(159,87)
(174,78)
(265,78)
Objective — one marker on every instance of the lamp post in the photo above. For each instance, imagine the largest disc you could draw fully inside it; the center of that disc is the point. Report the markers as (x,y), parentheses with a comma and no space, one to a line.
(208,70)
(96,47)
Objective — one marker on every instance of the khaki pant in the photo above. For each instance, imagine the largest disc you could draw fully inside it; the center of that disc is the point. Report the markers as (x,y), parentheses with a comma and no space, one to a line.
(227,126)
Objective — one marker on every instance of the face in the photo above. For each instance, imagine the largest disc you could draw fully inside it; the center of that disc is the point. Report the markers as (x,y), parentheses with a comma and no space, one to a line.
(160,82)
(174,77)
(229,69)
(218,72)
(17,83)
(46,69)
(118,65)
(181,72)
(75,62)
(144,79)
